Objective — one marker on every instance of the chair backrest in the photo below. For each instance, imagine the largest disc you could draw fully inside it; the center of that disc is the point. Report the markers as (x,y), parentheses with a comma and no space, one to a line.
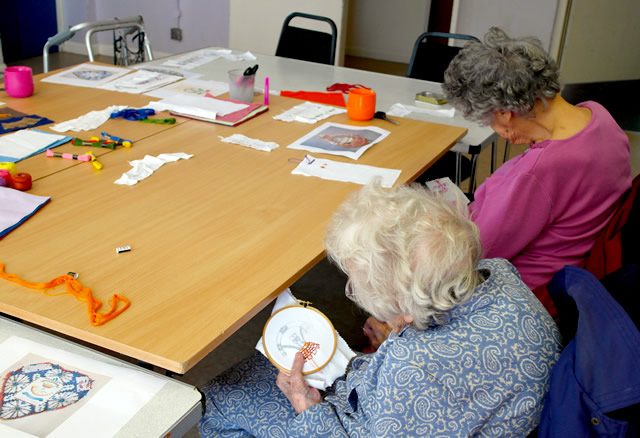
(307,44)
(432,54)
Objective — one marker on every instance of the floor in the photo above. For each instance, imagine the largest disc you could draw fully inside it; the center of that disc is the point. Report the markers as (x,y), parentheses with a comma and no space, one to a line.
(324,284)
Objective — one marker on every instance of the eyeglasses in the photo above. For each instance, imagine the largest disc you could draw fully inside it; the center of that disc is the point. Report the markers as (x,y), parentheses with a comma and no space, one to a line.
(348,290)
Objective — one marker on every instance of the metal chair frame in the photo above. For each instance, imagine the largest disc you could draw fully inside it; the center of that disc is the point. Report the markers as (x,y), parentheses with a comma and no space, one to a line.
(131,23)
(460,147)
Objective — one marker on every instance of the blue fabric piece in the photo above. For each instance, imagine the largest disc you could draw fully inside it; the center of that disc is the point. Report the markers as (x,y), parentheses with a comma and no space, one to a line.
(599,370)
(485,372)
(5,125)
(51,145)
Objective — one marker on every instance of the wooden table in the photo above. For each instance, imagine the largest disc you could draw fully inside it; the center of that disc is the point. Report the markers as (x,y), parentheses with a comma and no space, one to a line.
(214,238)
(65,102)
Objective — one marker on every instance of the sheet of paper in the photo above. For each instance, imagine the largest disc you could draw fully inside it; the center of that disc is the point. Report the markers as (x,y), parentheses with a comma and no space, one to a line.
(447,189)
(124,394)
(197,106)
(336,139)
(167,70)
(194,59)
(309,112)
(141,81)
(347,172)
(16,207)
(190,87)
(27,142)
(87,75)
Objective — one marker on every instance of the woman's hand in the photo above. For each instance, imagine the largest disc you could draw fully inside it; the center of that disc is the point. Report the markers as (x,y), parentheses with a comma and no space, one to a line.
(295,388)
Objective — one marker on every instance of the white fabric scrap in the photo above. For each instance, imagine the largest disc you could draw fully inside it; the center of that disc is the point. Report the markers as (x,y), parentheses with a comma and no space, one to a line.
(142,169)
(337,171)
(246,56)
(309,112)
(243,140)
(89,121)
(338,364)
(402,110)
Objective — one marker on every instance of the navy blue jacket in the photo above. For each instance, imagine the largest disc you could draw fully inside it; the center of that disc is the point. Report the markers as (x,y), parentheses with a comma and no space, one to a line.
(597,379)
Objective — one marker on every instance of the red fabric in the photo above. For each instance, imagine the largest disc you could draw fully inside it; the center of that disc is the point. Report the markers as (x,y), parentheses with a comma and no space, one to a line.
(336,99)
(605,256)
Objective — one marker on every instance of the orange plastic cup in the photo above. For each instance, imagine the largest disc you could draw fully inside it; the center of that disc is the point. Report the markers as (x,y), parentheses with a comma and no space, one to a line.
(361,104)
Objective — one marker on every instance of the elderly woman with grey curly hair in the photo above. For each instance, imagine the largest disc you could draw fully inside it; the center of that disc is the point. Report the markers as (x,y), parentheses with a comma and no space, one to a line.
(543,209)
(470,352)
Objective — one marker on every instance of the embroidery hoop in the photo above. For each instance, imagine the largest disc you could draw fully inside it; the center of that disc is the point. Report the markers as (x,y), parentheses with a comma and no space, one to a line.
(310,320)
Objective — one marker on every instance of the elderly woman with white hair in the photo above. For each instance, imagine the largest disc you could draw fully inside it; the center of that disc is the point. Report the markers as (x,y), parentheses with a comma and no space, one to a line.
(545,208)
(471,348)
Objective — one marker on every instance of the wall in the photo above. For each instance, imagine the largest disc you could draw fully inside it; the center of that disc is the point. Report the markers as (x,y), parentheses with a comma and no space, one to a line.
(602,41)
(203,23)
(379,29)
(255,25)
(517,18)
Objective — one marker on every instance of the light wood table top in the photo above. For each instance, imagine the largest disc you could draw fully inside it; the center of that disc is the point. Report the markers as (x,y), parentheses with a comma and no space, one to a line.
(214,238)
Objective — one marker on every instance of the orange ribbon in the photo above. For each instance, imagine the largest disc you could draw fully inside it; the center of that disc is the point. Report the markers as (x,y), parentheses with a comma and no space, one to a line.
(118,303)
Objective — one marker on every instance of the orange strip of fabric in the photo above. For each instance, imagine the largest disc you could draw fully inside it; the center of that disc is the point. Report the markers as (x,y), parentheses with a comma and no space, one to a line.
(118,303)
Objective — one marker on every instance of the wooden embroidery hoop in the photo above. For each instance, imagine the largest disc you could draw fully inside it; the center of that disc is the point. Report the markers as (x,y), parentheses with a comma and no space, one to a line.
(286,309)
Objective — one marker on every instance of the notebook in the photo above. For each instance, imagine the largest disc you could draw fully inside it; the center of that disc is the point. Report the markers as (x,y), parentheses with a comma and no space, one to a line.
(232,119)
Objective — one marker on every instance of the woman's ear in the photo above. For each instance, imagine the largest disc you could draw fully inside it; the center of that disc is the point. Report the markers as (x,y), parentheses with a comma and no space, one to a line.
(504,116)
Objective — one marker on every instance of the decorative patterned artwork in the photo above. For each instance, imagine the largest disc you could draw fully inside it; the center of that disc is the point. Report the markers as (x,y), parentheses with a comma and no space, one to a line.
(92,75)
(41,387)
(47,392)
(18,123)
(87,75)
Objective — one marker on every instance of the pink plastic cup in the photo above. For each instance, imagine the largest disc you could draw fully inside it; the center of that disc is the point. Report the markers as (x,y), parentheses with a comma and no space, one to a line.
(18,81)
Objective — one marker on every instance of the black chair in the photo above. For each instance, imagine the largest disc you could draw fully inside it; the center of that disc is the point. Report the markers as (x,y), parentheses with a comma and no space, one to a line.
(430,58)
(432,54)
(307,44)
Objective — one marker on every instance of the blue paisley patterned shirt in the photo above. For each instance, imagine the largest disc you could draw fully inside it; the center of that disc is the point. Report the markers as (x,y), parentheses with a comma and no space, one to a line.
(485,372)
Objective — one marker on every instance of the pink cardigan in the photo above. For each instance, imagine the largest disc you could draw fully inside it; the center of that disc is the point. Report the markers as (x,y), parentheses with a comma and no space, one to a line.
(543,209)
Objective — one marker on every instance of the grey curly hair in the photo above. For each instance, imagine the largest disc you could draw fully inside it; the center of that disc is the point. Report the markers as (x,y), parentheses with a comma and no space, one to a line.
(406,251)
(501,74)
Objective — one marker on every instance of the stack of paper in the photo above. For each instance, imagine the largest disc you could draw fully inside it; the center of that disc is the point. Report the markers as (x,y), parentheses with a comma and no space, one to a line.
(141,81)
(209,109)
(23,144)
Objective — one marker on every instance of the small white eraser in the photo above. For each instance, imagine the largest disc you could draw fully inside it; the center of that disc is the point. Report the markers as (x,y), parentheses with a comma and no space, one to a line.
(123,249)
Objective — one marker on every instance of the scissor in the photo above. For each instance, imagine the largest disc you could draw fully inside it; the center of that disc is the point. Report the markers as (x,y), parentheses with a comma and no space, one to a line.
(382,115)
(250,70)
